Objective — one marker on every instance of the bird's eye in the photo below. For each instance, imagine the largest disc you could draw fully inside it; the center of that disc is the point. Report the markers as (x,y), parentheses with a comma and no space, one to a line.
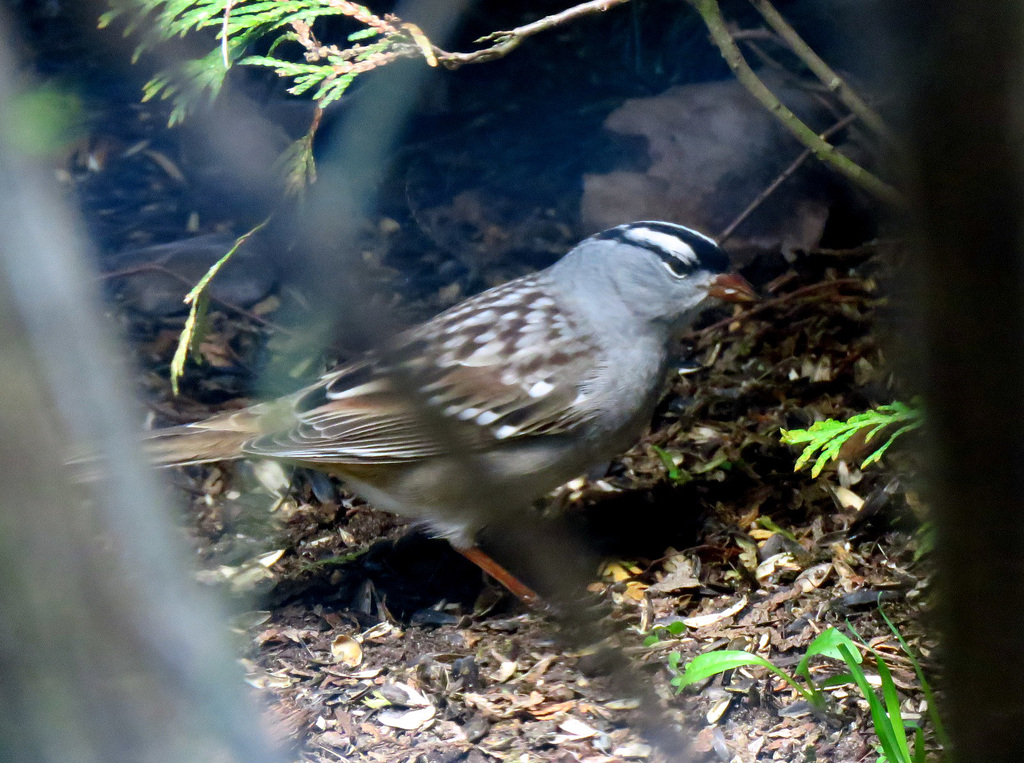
(677,266)
(675,254)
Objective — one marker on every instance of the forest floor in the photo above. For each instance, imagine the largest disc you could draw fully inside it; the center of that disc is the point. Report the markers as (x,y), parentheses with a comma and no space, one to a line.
(368,641)
(373,642)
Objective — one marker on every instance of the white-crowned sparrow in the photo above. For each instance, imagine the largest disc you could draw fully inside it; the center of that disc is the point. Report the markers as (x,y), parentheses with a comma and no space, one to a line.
(498,400)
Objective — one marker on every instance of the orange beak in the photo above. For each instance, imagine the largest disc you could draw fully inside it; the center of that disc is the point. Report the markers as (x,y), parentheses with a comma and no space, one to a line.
(732,287)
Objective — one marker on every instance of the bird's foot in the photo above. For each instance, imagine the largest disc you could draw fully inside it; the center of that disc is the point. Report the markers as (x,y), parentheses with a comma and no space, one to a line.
(514,585)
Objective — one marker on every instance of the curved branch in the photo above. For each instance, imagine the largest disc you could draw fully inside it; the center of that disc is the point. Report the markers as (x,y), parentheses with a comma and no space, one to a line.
(825,151)
(823,71)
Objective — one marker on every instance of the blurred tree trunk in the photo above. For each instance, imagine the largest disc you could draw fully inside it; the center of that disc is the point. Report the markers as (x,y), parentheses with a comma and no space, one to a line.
(968,128)
(108,651)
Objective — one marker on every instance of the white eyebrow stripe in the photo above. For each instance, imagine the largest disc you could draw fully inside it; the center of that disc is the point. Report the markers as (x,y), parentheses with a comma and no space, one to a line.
(665,241)
(644,223)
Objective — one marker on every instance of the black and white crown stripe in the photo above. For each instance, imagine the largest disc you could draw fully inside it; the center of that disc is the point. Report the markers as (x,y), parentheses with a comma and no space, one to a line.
(681,249)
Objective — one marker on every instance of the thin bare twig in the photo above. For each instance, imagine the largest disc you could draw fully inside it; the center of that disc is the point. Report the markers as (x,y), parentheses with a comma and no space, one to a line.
(823,71)
(506,42)
(746,35)
(770,303)
(155,267)
(783,176)
(825,151)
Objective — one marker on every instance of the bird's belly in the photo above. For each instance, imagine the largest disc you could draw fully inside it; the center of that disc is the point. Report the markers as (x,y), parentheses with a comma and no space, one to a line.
(458,496)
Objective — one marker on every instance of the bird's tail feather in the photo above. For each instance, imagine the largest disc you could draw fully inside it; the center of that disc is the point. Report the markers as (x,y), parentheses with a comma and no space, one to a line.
(218,439)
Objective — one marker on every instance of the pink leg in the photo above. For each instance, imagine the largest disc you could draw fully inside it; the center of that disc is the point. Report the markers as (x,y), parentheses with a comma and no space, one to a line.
(518,589)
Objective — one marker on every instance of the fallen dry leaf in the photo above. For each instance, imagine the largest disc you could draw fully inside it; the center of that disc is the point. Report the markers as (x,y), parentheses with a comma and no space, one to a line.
(347,651)
(702,621)
(410,719)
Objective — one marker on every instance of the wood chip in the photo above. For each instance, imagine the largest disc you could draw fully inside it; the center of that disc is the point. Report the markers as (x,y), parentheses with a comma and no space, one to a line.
(703,621)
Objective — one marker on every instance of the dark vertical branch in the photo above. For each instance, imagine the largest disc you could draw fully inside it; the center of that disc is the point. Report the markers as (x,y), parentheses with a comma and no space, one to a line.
(972,201)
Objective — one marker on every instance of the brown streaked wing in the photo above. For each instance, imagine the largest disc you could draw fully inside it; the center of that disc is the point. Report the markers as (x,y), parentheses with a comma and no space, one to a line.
(484,365)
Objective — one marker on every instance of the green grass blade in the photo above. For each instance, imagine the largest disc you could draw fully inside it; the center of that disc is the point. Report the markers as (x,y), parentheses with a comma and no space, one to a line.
(666,459)
(919,751)
(826,644)
(929,696)
(892,705)
(769,524)
(840,679)
(886,739)
(711,664)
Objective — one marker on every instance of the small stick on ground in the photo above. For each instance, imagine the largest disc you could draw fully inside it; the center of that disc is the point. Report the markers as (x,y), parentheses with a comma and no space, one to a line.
(770,303)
